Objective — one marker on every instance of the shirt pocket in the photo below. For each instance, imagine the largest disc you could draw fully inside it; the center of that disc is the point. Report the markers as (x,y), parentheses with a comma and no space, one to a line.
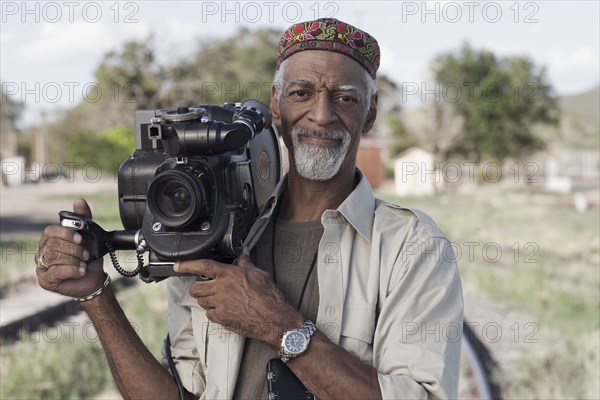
(358,327)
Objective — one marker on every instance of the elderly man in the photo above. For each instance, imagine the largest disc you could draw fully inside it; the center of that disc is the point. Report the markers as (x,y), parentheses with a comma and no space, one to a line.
(378,280)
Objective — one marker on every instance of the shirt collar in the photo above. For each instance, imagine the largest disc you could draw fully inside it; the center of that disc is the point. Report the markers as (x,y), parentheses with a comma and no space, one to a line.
(357,208)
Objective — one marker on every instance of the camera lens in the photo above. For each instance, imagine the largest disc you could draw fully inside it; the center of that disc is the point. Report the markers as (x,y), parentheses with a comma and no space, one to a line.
(176,197)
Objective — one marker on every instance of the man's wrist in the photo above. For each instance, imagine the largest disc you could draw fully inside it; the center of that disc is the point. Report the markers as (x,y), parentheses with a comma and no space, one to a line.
(295,320)
(97,292)
(104,299)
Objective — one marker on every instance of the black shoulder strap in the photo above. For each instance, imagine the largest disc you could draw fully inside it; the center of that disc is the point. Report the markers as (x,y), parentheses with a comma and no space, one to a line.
(173,369)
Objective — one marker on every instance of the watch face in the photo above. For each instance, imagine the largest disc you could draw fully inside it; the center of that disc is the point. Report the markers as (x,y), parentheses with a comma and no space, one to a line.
(295,342)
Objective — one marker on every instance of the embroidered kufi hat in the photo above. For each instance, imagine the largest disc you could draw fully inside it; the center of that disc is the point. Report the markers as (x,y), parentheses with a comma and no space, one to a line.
(330,34)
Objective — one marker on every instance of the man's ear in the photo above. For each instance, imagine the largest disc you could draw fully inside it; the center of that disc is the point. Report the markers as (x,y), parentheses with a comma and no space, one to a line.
(274,104)
(371,114)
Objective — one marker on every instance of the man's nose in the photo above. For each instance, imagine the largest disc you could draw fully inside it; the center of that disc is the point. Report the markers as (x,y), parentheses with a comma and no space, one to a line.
(322,112)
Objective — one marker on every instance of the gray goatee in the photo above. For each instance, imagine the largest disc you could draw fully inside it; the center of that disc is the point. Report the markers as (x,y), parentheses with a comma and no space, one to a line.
(319,163)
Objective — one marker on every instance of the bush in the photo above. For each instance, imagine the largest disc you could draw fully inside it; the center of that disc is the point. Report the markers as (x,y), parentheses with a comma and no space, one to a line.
(107,149)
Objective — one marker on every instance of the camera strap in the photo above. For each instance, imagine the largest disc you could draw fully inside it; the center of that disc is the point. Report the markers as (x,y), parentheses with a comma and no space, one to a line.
(173,369)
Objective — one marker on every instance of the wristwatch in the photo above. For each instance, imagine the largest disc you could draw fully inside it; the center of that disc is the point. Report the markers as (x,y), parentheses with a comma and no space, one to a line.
(295,342)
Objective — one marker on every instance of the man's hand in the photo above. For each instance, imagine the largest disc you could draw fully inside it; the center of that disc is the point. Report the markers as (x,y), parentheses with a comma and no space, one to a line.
(242,298)
(69,271)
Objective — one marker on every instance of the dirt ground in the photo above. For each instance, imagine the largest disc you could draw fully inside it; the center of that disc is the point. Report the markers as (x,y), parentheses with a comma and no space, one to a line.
(26,209)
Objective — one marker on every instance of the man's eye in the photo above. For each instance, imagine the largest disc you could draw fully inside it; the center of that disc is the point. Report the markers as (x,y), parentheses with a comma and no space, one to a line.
(299,93)
(347,99)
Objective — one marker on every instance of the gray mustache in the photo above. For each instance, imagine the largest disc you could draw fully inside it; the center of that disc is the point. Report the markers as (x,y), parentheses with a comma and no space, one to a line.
(334,134)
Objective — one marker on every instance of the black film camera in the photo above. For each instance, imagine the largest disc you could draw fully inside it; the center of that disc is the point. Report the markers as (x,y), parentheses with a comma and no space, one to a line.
(192,188)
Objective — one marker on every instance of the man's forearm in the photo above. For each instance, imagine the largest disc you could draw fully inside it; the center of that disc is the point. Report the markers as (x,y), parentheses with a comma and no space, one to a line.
(329,372)
(135,370)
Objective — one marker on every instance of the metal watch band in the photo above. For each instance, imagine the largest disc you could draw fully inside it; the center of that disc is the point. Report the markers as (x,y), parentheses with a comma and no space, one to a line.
(307,329)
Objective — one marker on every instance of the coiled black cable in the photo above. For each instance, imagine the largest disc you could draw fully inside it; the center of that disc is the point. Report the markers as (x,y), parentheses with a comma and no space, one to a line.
(117,265)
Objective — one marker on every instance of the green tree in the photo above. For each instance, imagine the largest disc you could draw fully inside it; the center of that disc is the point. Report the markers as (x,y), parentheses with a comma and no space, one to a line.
(132,75)
(127,79)
(402,139)
(106,149)
(499,100)
(226,70)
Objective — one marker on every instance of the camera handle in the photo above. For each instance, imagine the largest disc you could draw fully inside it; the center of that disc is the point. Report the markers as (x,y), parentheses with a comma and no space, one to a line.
(99,242)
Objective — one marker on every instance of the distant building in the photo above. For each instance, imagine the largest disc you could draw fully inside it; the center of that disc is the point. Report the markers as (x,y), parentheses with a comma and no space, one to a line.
(555,182)
(369,160)
(415,173)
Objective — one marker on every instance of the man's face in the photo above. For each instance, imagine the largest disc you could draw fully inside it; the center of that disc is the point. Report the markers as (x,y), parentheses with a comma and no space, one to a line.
(322,111)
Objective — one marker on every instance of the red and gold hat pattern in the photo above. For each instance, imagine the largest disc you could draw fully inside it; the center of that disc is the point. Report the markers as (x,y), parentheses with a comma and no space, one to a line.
(330,34)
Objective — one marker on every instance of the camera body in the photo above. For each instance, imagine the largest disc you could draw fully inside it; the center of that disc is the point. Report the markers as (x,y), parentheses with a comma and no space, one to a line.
(197,179)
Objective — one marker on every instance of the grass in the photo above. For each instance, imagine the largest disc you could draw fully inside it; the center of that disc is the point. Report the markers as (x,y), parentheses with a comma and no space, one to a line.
(569,370)
(549,260)
(53,371)
(72,365)
(16,256)
(530,289)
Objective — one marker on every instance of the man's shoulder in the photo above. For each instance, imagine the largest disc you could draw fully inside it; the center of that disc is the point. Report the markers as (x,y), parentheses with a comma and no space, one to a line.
(400,220)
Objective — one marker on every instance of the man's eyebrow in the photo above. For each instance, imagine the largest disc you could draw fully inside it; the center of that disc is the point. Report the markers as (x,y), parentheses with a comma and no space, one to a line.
(301,82)
(350,88)
(298,82)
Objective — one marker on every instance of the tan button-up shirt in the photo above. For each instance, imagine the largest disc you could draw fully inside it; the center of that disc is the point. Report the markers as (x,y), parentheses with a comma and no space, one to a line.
(390,295)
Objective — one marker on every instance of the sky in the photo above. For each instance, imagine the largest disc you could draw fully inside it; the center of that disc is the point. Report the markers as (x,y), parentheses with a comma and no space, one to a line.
(49,50)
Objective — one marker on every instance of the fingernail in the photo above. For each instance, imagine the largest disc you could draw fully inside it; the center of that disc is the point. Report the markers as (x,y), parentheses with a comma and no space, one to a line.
(82,264)
(81,271)
(77,237)
(86,254)
(176,266)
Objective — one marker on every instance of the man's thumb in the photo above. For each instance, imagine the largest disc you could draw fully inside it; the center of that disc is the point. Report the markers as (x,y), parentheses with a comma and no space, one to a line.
(81,207)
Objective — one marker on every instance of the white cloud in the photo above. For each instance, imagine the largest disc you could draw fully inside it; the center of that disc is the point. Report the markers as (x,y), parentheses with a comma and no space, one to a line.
(402,71)
(8,37)
(62,42)
(535,29)
(178,33)
(175,39)
(573,71)
(584,58)
(388,64)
